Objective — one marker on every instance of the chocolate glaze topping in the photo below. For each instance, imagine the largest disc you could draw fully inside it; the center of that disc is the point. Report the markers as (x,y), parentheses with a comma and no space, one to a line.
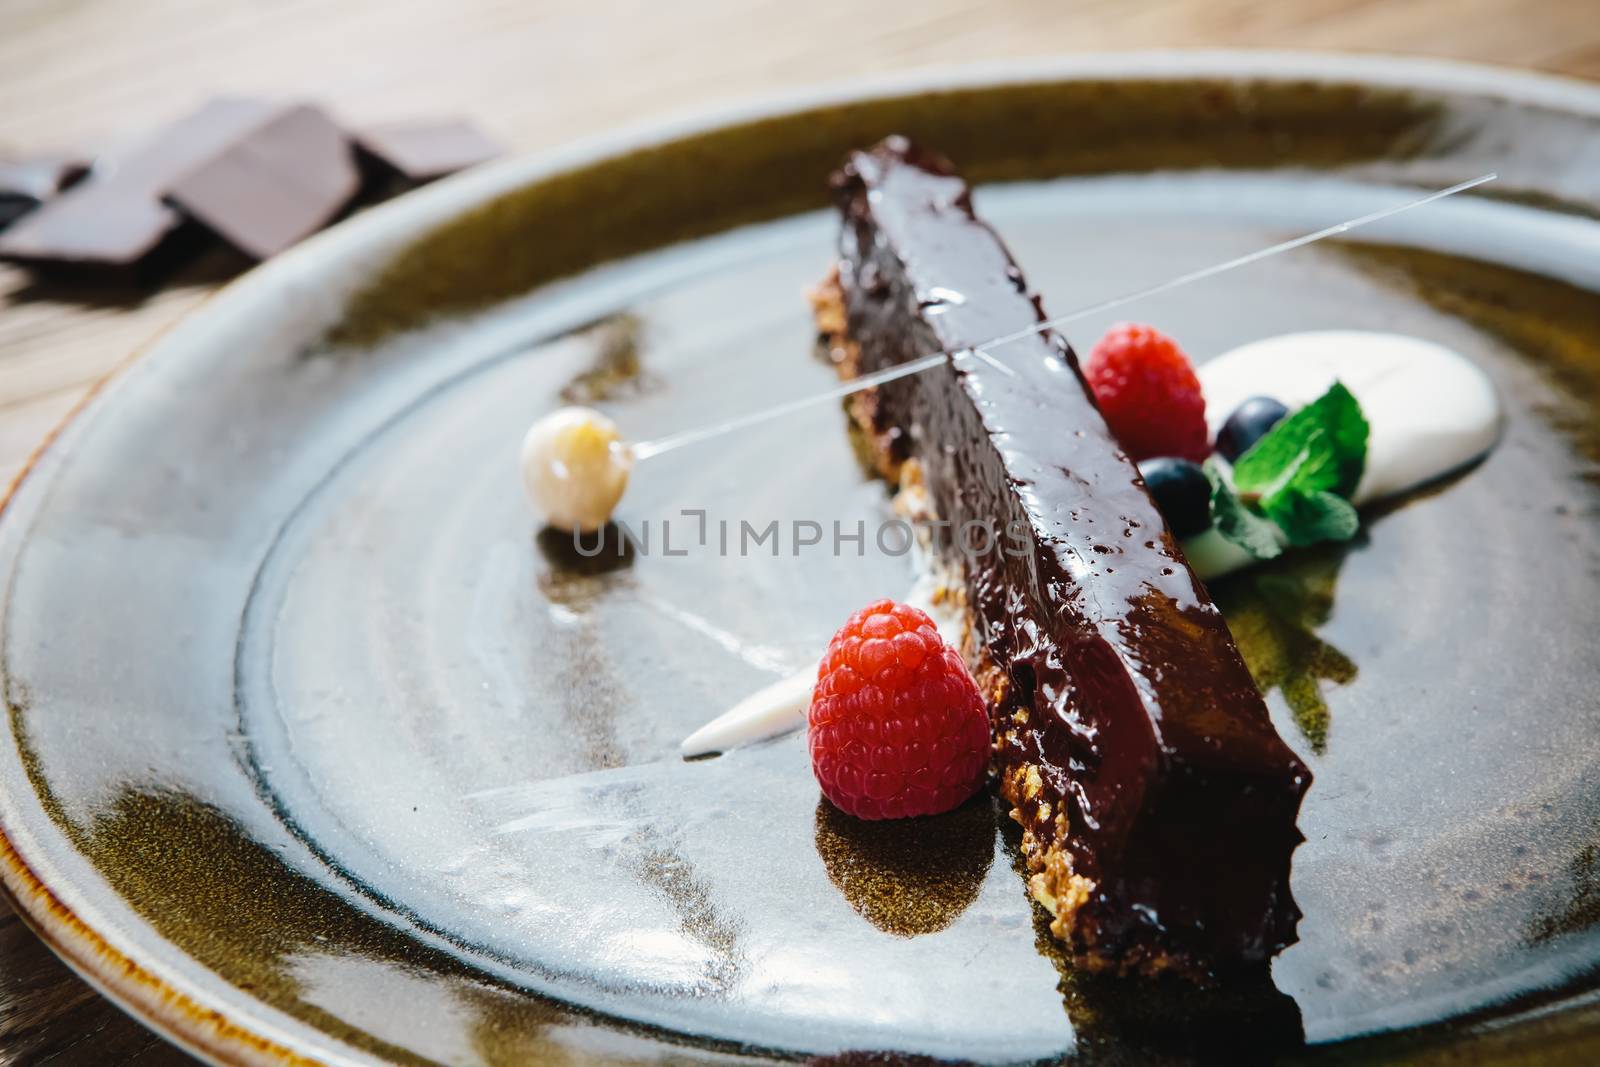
(1158,776)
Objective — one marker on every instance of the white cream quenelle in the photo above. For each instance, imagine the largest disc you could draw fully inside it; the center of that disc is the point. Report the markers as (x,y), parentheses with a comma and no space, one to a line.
(575,467)
(1429,410)
(781,707)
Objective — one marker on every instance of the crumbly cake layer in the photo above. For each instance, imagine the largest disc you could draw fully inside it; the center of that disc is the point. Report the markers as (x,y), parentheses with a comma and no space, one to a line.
(1051,881)
(1157,801)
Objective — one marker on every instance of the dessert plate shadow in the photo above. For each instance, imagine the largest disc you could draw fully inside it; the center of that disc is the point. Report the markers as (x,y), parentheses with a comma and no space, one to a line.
(320,750)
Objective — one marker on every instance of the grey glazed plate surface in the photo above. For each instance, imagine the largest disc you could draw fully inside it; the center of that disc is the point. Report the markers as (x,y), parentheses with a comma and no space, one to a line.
(320,751)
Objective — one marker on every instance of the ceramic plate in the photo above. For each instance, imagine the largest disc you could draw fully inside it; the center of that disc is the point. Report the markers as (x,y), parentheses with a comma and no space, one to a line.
(319,749)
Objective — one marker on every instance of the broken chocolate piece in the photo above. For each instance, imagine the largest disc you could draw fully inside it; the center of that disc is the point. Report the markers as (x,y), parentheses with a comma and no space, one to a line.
(261,175)
(115,216)
(424,150)
(1157,800)
(27,183)
(281,181)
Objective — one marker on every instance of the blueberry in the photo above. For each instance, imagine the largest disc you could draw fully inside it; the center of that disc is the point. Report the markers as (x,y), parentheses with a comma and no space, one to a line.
(1182,493)
(1248,424)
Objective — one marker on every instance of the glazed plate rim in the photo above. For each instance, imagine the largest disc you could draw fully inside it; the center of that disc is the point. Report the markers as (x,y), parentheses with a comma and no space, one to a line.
(205,1019)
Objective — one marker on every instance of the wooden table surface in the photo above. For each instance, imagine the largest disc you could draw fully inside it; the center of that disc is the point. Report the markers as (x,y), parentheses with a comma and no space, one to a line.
(89,73)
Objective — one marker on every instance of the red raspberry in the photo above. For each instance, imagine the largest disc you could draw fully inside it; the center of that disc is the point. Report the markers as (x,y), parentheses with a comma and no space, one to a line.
(897,725)
(1148,394)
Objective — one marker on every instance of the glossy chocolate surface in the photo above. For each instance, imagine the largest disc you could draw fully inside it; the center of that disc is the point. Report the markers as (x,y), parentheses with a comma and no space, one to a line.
(1140,714)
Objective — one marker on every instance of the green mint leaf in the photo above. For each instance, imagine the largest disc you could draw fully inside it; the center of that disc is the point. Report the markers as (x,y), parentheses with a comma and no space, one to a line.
(1235,521)
(1309,518)
(1322,448)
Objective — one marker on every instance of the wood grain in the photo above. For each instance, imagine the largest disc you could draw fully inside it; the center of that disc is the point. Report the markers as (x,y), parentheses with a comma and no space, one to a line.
(92,73)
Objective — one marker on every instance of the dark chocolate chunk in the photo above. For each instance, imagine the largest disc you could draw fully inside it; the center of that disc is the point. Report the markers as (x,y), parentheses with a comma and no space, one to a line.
(115,216)
(27,183)
(1132,744)
(426,149)
(277,183)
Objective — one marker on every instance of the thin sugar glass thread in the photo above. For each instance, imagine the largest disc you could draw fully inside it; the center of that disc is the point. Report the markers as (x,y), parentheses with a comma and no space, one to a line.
(649,449)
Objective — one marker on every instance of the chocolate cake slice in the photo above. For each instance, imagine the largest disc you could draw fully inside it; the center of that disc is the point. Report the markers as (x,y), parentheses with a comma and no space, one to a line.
(1157,801)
